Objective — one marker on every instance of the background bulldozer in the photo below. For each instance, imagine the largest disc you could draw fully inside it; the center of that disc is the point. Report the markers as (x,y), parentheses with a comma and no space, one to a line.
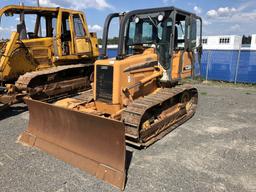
(50,53)
(137,97)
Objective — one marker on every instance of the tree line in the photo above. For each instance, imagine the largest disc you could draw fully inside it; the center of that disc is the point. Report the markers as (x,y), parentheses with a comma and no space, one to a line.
(111,41)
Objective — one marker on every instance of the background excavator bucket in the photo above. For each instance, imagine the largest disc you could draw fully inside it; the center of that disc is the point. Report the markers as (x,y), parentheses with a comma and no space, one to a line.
(91,143)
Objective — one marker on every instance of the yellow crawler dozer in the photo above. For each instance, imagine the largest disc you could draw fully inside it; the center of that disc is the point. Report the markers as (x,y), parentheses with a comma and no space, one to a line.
(50,53)
(137,97)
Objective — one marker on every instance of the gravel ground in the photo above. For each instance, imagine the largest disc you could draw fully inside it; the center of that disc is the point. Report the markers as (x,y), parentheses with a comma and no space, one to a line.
(214,151)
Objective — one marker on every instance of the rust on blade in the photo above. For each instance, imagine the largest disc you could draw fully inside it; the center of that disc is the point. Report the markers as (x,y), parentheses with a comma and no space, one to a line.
(91,143)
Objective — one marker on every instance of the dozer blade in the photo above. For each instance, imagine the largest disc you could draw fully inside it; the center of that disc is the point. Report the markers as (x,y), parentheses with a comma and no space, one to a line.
(91,143)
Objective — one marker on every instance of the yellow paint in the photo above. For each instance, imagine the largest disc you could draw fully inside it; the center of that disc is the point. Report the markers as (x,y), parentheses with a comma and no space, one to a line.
(122,80)
(146,76)
(38,53)
(187,62)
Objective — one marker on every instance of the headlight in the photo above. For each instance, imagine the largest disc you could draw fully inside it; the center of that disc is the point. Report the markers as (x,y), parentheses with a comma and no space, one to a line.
(137,20)
(160,18)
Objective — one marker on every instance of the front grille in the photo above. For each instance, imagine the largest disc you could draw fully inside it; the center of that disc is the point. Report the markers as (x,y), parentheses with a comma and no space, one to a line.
(104,83)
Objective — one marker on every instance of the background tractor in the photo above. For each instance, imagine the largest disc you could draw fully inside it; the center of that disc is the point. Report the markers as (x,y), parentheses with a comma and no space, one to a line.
(50,53)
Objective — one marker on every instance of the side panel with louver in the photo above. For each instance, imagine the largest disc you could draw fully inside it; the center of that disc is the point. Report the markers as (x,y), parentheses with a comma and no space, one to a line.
(104,83)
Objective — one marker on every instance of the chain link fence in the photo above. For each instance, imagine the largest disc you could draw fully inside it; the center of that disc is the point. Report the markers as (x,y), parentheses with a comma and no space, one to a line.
(238,66)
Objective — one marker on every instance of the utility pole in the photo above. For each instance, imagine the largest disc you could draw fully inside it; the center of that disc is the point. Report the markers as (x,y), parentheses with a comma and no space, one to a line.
(40,28)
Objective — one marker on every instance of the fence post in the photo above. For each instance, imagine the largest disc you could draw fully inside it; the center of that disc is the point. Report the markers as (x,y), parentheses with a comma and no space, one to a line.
(237,64)
(207,65)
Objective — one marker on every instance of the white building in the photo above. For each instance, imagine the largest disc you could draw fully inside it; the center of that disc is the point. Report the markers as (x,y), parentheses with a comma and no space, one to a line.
(253,42)
(110,46)
(223,42)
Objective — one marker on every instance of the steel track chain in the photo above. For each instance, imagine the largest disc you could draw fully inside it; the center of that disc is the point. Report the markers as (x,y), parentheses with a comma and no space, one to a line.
(132,115)
(24,80)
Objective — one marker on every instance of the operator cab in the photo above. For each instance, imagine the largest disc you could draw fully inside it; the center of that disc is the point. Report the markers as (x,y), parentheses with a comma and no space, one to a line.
(170,31)
(63,29)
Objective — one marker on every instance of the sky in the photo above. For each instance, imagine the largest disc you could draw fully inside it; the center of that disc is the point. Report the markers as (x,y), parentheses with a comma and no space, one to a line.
(220,17)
